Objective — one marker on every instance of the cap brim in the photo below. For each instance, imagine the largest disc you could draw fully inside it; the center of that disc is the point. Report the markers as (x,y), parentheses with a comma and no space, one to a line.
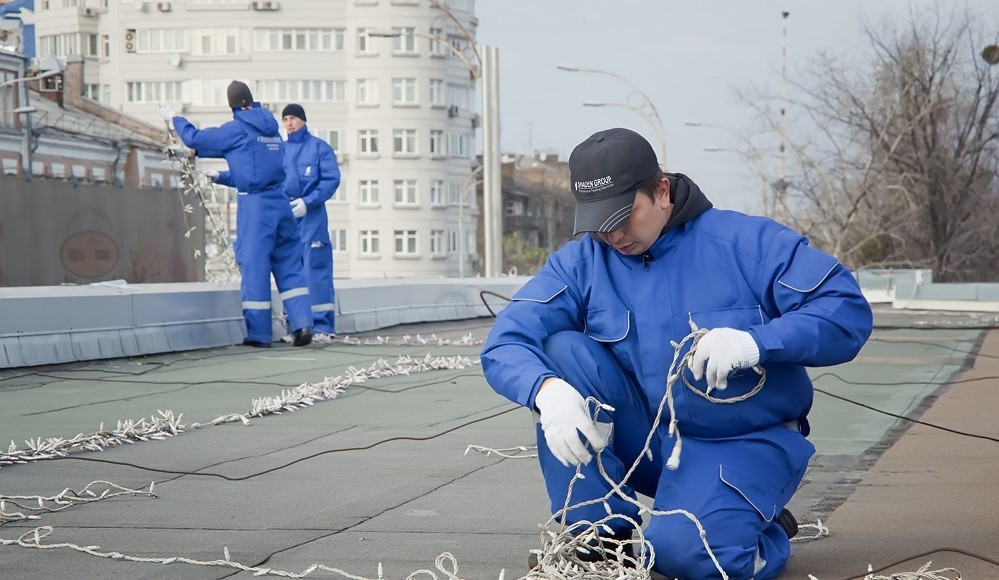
(604,215)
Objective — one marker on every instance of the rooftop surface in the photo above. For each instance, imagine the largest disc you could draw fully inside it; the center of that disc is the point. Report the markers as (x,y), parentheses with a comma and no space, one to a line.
(378,475)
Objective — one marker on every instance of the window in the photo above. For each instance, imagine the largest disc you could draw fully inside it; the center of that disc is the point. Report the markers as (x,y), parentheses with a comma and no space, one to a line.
(437,41)
(90,44)
(437,193)
(369,242)
(405,242)
(458,95)
(59,44)
(405,42)
(404,91)
(305,90)
(208,92)
(452,241)
(92,91)
(331,136)
(367,141)
(106,45)
(364,44)
(404,141)
(154,92)
(437,92)
(156,40)
(289,39)
(215,41)
(405,191)
(436,142)
(338,240)
(367,91)
(457,145)
(437,242)
(368,190)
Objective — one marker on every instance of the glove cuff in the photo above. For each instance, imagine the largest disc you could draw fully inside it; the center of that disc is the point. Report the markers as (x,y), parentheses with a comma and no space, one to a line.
(749,351)
(552,391)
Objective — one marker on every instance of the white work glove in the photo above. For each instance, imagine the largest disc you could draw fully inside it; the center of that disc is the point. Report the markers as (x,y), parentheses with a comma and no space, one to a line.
(724,350)
(298,207)
(212,175)
(563,417)
(167,112)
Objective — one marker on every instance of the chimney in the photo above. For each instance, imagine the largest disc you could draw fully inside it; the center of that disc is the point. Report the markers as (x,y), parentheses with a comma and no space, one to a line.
(72,81)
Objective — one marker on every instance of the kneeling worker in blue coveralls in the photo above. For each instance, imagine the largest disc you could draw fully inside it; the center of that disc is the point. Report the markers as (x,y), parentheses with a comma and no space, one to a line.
(311,178)
(597,321)
(266,234)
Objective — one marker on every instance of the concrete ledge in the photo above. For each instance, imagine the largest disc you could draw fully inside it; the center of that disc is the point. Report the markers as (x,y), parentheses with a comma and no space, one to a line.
(57,324)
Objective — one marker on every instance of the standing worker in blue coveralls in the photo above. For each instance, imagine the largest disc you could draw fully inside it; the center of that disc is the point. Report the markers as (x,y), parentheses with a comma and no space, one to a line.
(266,235)
(598,321)
(311,178)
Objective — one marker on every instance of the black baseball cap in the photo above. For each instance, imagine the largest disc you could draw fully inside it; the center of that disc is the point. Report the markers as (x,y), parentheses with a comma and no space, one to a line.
(605,171)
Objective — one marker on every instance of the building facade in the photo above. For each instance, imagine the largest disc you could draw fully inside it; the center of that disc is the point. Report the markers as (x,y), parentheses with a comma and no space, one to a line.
(390,84)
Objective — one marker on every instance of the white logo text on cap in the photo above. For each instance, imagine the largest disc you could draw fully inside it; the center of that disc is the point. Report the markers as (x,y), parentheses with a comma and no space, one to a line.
(595,184)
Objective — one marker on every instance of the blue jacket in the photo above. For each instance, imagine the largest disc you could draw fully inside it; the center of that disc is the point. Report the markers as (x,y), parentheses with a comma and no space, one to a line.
(720,268)
(311,173)
(250,144)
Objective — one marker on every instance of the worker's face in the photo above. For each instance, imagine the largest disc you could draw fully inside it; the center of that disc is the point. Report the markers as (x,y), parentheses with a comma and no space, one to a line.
(292,123)
(647,220)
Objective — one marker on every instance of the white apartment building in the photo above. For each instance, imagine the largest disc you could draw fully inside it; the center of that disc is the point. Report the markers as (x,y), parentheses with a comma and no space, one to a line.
(400,111)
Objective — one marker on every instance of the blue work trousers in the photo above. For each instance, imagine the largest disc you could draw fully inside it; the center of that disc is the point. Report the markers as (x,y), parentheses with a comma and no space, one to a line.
(735,486)
(267,242)
(318,257)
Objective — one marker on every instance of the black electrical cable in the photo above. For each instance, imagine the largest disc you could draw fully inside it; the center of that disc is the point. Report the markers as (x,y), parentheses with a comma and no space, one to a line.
(482,296)
(930,344)
(289,464)
(910,419)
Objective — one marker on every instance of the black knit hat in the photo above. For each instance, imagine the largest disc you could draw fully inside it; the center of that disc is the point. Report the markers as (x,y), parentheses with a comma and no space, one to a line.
(295,110)
(239,95)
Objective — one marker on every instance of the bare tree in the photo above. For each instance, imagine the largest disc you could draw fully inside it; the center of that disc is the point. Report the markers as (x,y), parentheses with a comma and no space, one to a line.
(895,159)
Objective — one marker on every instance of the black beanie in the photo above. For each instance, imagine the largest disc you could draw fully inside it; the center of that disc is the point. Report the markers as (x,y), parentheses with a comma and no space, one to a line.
(295,110)
(239,95)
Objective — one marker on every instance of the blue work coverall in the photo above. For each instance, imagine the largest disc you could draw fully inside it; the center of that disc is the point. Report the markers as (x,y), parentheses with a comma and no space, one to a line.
(603,322)
(266,235)
(312,174)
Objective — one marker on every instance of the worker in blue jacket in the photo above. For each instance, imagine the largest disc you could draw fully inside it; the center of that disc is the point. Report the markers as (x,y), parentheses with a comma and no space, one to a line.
(267,238)
(598,320)
(311,178)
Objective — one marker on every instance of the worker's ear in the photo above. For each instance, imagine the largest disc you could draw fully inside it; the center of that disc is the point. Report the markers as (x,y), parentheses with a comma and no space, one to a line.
(662,196)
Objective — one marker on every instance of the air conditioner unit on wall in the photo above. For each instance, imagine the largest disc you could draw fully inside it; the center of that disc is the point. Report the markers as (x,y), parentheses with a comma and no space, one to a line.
(266,5)
(452,111)
(89,12)
(164,6)
(130,40)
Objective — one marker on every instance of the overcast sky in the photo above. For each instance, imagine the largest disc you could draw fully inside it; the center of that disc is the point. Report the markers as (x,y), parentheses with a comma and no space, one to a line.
(687,55)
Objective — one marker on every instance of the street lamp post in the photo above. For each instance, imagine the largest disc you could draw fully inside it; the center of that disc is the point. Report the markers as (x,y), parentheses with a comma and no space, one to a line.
(647,103)
(485,72)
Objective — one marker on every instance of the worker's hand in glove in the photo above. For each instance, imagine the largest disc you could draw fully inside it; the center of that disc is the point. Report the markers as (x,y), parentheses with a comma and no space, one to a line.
(298,207)
(167,112)
(180,150)
(563,417)
(212,175)
(723,350)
